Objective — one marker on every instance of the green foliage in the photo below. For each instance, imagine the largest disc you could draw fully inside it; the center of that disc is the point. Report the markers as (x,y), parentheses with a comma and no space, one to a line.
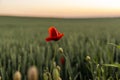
(22,44)
(112,65)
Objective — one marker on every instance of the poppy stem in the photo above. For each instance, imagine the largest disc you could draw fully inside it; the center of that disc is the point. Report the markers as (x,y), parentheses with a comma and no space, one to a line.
(54,55)
(55,51)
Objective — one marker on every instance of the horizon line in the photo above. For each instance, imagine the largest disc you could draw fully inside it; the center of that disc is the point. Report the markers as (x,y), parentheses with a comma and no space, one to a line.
(59,17)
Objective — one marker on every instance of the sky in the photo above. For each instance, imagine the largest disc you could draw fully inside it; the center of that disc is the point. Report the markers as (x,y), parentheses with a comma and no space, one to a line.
(61,8)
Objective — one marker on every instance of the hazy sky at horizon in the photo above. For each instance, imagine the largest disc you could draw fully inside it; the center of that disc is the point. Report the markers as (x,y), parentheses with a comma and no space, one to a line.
(61,8)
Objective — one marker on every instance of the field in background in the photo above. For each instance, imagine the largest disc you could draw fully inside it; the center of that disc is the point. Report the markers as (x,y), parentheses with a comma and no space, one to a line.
(22,43)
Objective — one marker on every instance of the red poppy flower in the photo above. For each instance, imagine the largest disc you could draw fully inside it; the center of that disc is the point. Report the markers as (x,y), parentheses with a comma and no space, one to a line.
(62,60)
(54,34)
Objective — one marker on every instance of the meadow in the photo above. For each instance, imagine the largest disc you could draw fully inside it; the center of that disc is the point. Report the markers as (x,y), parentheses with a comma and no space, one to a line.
(88,47)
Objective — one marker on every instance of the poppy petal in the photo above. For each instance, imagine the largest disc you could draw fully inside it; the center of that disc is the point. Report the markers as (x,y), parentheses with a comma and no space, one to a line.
(53,32)
(48,39)
(60,36)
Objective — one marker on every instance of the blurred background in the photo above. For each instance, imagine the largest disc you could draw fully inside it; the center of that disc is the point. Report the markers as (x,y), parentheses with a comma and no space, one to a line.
(61,8)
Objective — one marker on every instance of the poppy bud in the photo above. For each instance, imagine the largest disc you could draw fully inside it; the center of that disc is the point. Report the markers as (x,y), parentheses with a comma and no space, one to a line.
(16,76)
(33,73)
(70,78)
(59,78)
(45,76)
(58,67)
(60,50)
(87,58)
(56,74)
(98,65)
(0,78)
(62,60)
(54,64)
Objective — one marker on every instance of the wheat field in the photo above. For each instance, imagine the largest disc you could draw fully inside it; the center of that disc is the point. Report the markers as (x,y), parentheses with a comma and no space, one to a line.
(90,47)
